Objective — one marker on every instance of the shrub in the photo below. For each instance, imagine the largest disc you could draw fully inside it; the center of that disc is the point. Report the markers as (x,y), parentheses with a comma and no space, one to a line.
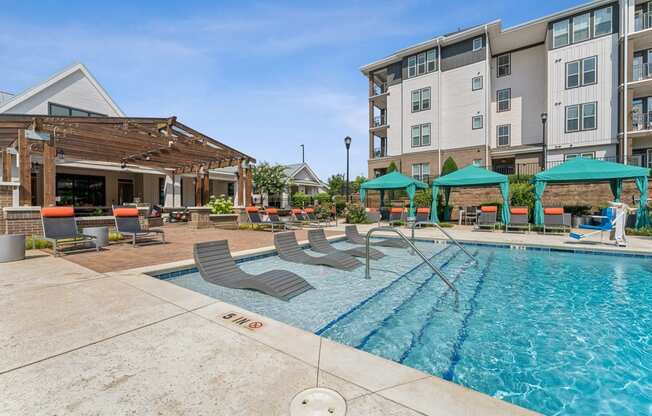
(322,198)
(577,210)
(423,198)
(323,211)
(355,214)
(340,205)
(449,166)
(38,243)
(115,236)
(645,232)
(220,205)
(523,196)
(300,200)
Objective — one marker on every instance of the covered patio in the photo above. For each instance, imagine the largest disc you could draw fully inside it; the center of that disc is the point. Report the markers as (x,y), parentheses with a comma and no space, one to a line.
(393,181)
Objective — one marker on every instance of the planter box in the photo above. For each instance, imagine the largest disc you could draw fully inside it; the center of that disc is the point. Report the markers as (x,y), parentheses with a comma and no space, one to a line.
(226,221)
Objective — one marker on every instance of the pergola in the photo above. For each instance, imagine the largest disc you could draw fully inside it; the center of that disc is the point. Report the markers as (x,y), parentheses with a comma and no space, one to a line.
(159,143)
(390,181)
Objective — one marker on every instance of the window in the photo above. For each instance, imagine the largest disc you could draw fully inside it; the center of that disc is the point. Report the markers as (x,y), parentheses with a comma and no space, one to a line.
(504,65)
(572,118)
(161,191)
(476,83)
(589,72)
(560,34)
(416,100)
(421,99)
(477,44)
(573,74)
(586,155)
(476,122)
(589,116)
(421,63)
(431,62)
(503,99)
(581,25)
(62,110)
(412,66)
(502,134)
(602,22)
(421,171)
(80,190)
(421,135)
(477,162)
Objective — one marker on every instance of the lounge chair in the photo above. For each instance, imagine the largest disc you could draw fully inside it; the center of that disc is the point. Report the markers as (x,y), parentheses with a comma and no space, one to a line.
(422,217)
(60,229)
(274,218)
(320,244)
(487,218)
(556,219)
(127,224)
(519,219)
(395,216)
(373,215)
(216,266)
(299,217)
(310,213)
(288,249)
(255,219)
(354,237)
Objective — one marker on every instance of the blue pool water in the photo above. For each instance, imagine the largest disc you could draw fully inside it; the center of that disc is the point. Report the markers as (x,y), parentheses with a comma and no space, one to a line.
(557,332)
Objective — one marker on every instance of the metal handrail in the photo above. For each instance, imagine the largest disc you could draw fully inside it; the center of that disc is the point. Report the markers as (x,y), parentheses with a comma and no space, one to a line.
(434,268)
(450,237)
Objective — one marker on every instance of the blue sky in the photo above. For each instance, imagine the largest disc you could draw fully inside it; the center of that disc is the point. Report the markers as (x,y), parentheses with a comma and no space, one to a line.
(263,77)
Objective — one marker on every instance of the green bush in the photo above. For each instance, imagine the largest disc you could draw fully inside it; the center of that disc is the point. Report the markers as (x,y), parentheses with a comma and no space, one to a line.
(423,198)
(220,205)
(38,243)
(323,211)
(577,210)
(322,198)
(513,179)
(115,236)
(523,196)
(300,200)
(449,166)
(645,232)
(340,205)
(355,214)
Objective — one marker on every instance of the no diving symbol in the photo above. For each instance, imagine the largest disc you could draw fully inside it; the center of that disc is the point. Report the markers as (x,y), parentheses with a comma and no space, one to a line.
(242,321)
(255,325)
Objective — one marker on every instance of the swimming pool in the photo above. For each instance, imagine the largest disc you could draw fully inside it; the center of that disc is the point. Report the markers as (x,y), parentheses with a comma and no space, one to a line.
(557,332)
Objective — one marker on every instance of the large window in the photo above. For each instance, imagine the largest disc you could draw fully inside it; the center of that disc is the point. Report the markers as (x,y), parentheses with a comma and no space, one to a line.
(601,20)
(81,190)
(476,122)
(582,72)
(581,27)
(421,135)
(422,63)
(503,134)
(581,117)
(62,110)
(421,171)
(504,65)
(560,35)
(421,99)
(503,97)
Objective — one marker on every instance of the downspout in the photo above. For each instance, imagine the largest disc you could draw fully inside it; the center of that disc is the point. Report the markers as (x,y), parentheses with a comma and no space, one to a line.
(486,97)
(625,79)
(439,105)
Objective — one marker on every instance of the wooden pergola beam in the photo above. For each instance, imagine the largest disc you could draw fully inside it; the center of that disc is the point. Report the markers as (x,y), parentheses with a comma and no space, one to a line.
(25,170)
(6,166)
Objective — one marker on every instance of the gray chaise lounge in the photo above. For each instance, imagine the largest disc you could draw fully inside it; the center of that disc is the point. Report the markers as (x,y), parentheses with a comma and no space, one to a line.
(216,266)
(60,229)
(128,224)
(354,237)
(288,249)
(320,244)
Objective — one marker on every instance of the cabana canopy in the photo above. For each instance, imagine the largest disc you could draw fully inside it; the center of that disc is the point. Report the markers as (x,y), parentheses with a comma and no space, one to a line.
(591,170)
(470,176)
(393,180)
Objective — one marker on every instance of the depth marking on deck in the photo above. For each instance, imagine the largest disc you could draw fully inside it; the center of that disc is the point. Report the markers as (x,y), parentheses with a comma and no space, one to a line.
(242,321)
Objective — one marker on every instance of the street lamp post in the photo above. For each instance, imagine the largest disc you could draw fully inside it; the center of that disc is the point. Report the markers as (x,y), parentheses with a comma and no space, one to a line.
(303,154)
(347,143)
(544,118)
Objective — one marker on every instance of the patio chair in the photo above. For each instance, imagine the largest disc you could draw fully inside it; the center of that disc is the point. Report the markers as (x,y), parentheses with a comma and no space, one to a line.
(310,213)
(299,218)
(60,229)
(519,219)
(396,216)
(128,224)
(487,218)
(422,217)
(320,244)
(255,219)
(373,215)
(274,218)
(289,250)
(354,237)
(215,264)
(470,215)
(556,219)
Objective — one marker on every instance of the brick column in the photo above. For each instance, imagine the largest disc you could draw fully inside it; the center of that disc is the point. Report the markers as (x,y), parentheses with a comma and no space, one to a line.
(23,220)
(200,217)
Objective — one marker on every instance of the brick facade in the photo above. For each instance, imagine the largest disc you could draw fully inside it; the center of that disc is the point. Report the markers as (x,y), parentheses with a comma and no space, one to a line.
(23,220)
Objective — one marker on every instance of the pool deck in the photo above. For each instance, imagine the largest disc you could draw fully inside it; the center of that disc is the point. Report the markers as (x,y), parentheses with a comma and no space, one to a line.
(78,341)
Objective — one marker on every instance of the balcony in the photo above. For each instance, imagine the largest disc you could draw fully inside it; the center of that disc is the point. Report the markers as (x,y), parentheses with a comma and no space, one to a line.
(641,121)
(379,121)
(642,21)
(379,89)
(641,72)
(379,152)
(379,94)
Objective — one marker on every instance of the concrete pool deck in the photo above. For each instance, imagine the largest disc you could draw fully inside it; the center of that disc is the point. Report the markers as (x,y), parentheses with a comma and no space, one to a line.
(77,341)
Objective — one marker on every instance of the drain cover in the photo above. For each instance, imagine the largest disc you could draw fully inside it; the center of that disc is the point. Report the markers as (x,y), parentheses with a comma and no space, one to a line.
(318,402)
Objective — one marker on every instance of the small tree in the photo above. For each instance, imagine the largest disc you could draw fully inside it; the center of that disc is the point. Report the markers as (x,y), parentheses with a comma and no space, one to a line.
(269,179)
(392,167)
(449,166)
(355,185)
(336,184)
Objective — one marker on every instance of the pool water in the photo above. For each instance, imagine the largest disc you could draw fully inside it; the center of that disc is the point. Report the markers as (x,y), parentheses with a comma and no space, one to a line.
(558,332)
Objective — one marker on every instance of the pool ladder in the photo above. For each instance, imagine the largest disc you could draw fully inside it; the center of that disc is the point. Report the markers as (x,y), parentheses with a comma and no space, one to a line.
(450,237)
(434,268)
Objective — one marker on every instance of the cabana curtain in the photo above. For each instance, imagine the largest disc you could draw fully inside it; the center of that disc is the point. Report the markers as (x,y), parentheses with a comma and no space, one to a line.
(393,180)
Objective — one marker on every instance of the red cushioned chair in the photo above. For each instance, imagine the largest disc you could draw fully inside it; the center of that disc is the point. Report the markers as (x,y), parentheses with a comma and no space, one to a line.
(255,219)
(487,218)
(127,224)
(555,219)
(519,219)
(373,215)
(396,216)
(422,217)
(60,229)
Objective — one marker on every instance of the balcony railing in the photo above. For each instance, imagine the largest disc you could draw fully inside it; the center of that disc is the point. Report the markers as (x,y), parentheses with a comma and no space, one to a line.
(379,88)
(380,120)
(642,21)
(641,71)
(642,121)
(529,169)
(380,152)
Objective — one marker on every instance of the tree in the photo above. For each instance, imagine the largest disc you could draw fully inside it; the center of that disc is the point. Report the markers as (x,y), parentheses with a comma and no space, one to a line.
(392,167)
(336,184)
(449,166)
(269,179)
(355,185)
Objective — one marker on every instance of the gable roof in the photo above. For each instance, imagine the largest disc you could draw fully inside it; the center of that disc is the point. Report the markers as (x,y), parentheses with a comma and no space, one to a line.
(293,169)
(30,92)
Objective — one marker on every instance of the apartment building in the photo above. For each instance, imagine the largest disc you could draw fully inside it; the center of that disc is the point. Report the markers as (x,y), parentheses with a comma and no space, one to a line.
(518,99)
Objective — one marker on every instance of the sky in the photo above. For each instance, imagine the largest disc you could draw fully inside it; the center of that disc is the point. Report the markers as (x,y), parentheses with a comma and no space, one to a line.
(263,77)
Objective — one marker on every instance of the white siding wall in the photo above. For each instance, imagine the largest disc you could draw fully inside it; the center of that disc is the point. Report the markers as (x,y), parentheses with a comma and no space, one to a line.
(394,115)
(599,152)
(74,91)
(460,104)
(605,93)
(421,117)
(528,88)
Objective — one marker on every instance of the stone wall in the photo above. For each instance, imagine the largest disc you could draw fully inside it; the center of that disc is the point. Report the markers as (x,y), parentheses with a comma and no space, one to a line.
(22,220)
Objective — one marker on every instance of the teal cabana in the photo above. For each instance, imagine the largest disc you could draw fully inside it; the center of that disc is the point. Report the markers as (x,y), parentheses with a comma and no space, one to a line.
(470,176)
(591,170)
(393,181)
